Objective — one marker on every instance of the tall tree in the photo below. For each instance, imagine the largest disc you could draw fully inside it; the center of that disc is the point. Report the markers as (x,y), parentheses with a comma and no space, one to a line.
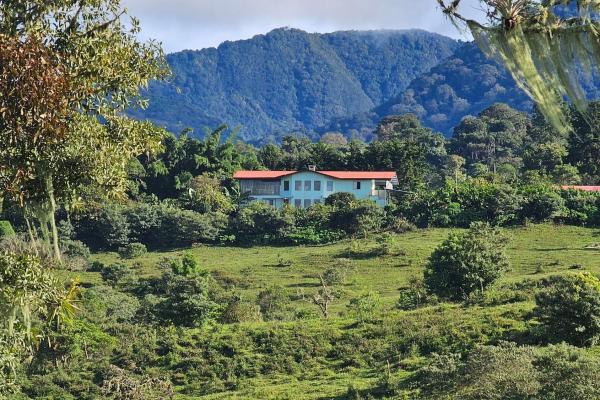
(99,66)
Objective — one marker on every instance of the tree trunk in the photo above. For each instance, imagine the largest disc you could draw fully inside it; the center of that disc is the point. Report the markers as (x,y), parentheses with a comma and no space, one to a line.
(51,214)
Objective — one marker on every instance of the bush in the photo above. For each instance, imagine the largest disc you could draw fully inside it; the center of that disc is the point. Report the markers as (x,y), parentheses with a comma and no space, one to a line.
(340,200)
(464,264)
(132,250)
(541,203)
(569,310)
(75,248)
(362,217)
(364,307)
(117,274)
(261,223)
(274,303)
(187,265)
(6,229)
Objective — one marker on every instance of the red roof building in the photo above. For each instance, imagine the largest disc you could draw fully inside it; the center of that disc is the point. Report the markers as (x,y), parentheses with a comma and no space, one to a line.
(302,189)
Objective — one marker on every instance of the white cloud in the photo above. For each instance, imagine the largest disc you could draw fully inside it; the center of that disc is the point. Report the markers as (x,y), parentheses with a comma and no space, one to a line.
(194,24)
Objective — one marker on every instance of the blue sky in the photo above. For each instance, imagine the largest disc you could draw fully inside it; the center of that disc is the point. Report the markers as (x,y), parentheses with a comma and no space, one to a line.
(195,24)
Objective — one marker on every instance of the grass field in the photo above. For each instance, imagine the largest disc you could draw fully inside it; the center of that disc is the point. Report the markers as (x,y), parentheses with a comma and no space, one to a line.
(534,251)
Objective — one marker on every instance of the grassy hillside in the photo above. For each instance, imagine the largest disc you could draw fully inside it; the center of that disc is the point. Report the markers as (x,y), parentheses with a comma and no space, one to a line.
(314,358)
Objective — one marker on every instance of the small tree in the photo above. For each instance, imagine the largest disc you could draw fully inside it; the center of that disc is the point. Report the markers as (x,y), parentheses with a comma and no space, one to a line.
(274,303)
(467,263)
(569,309)
(365,306)
(323,298)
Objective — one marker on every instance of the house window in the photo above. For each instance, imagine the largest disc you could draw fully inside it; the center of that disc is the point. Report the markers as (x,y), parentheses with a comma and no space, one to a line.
(286,186)
(330,186)
(317,201)
(306,203)
(298,186)
(298,203)
(307,186)
(317,186)
(357,185)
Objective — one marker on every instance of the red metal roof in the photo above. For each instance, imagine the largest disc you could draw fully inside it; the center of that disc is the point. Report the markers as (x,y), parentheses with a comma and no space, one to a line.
(385,175)
(262,174)
(584,188)
(355,175)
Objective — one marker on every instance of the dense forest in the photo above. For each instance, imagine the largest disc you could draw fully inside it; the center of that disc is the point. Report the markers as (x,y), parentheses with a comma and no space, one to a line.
(290,81)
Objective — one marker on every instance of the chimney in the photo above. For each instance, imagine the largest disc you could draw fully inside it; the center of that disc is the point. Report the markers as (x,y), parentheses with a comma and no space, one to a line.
(312,168)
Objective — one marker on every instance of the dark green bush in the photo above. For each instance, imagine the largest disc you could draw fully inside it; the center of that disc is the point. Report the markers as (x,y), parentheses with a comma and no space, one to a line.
(467,263)
(569,309)
(132,250)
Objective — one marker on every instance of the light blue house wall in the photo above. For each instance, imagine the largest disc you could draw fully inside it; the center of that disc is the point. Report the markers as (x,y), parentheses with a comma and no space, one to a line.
(308,188)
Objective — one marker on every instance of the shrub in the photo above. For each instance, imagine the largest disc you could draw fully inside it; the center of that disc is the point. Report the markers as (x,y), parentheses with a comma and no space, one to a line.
(261,223)
(6,229)
(415,295)
(362,217)
(187,265)
(132,250)
(467,263)
(401,225)
(117,274)
(335,276)
(569,310)
(106,228)
(274,303)
(239,310)
(365,306)
(187,301)
(541,203)
(105,303)
(340,200)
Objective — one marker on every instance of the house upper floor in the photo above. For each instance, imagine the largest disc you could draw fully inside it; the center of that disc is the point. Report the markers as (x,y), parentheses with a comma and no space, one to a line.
(305,188)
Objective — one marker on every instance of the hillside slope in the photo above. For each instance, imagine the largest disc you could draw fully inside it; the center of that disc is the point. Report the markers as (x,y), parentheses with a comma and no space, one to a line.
(289,80)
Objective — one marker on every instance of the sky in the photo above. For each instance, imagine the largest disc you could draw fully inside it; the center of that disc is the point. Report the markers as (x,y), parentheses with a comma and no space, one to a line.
(196,24)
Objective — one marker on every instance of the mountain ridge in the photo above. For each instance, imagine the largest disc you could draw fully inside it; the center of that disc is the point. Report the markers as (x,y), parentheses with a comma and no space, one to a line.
(289,80)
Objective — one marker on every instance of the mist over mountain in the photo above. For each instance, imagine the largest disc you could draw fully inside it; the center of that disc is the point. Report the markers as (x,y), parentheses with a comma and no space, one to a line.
(291,81)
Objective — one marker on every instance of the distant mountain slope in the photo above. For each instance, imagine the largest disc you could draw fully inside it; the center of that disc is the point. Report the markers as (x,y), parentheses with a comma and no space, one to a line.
(289,80)
(464,84)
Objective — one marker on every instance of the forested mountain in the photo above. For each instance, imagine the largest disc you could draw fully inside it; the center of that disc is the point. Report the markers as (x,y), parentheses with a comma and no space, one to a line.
(464,84)
(289,80)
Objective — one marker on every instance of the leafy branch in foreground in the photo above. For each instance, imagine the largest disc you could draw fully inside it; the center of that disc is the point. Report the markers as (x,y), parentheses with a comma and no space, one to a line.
(546,53)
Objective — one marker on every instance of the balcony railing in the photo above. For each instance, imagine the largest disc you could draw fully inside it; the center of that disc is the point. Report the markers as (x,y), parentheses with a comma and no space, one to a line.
(379,194)
(259,188)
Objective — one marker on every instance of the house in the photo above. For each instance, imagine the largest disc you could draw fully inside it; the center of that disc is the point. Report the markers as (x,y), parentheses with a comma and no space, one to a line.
(302,189)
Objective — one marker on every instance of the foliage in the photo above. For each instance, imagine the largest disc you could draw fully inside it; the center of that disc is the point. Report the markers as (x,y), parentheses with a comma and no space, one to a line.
(132,250)
(274,303)
(6,229)
(88,69)
(569,309)
(364,307)
(33,306)
(330,76)
(467,263)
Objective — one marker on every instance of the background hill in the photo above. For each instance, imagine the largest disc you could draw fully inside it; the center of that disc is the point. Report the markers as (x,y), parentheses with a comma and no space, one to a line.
(289,80)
